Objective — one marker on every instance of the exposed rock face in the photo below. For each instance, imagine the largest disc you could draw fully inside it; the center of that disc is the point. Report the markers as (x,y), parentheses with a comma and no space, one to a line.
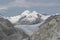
(49,30)
(8,32)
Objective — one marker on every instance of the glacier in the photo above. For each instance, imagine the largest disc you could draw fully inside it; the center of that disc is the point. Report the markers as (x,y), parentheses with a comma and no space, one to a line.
(28,21)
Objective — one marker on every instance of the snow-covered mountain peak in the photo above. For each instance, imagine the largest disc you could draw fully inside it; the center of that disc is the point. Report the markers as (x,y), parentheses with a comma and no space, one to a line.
(28,17)
(34,12)
(26,12)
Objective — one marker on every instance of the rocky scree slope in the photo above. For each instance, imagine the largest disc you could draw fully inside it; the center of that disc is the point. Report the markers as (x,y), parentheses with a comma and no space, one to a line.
(49,30)
(8,32)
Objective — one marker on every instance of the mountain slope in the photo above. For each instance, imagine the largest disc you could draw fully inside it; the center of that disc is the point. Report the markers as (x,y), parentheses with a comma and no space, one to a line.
(8,32)
(49,30)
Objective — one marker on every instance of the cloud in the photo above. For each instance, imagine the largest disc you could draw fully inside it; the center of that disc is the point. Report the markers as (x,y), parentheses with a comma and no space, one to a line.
(14,19)
(2,8)
(25,3)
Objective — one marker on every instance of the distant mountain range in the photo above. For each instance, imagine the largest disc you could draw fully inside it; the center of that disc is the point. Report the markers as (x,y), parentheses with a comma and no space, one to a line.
(28,18)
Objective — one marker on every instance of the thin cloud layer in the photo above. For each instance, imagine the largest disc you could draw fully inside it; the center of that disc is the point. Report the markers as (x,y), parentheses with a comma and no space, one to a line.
(26,3)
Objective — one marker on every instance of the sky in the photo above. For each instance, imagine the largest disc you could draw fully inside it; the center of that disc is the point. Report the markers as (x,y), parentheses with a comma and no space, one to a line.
(16,7)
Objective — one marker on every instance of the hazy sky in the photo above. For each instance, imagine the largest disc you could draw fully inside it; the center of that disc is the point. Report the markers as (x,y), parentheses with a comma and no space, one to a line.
(15,7)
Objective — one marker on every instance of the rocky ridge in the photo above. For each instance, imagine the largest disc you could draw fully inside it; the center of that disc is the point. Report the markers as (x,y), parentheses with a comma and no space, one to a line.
(49,30)
(8,32)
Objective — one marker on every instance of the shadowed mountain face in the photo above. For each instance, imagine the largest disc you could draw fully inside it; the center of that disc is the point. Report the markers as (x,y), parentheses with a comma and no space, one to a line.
(8,32)
(49,30)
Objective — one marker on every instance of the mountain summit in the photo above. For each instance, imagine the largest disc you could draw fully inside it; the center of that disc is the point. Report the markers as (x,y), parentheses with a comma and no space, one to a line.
(26,12)
(29,18)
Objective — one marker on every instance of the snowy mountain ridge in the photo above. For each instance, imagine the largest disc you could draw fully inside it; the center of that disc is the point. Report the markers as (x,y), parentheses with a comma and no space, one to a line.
(29,16)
